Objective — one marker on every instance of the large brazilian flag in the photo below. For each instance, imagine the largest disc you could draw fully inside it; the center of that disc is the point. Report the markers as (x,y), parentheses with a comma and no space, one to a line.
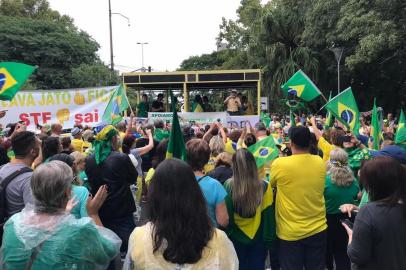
(176,144)
(345,109)
(12,77)
(301,86)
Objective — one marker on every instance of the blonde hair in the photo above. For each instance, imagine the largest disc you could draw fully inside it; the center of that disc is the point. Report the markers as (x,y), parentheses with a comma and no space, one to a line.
(224,158)
(338,169)
(246,188)
(216,145)
(79,157)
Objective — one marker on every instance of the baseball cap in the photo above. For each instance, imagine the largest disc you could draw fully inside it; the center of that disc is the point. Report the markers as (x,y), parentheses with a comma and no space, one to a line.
(393,151)
(75,131)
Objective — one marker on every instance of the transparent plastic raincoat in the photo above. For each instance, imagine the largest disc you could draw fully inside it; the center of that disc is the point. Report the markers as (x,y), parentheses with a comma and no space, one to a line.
(43,241)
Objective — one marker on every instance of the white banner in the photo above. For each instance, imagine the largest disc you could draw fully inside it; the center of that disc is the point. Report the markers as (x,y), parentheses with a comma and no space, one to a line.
(67,107)
(207,118)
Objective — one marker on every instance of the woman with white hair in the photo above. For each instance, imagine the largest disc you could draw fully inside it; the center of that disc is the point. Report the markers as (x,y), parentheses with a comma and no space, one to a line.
(341,188)
(46,236)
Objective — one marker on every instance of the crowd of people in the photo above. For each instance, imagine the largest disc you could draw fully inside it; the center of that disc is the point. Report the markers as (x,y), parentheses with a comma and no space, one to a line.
(107,197)
(235,104)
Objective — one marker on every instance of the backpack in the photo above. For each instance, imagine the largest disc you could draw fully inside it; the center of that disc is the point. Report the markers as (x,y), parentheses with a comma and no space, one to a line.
(3,201)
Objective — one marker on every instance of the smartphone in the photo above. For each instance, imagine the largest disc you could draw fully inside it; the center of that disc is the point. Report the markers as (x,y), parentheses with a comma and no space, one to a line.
(347,222)
(218,120)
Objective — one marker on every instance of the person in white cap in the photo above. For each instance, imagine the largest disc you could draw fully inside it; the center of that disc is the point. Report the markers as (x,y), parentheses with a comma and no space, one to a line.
(77,141)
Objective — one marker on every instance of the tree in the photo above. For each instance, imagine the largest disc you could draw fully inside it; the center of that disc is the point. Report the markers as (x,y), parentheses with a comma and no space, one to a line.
(97,74)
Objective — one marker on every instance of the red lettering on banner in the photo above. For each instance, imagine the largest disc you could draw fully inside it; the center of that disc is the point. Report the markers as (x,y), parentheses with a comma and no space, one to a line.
(90,117)
(78,118)
(35,117)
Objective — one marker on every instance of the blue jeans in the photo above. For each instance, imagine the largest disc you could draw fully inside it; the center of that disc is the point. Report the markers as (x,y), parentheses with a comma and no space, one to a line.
(308,253)
(250,256)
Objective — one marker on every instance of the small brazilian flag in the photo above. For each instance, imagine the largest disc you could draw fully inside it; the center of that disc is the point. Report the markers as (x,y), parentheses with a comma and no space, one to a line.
(329,117)
(264,151)
(301,86)
(117,104)
(292,119)
(176,144)
(345,109)
(401,131)
(12,77)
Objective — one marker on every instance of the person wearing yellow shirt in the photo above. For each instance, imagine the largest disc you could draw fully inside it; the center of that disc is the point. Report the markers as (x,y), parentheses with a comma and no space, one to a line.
(325,146)
(77,141)
(300,208)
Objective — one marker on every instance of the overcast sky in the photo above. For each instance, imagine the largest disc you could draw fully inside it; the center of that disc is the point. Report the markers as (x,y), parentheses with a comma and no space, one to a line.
(174,29)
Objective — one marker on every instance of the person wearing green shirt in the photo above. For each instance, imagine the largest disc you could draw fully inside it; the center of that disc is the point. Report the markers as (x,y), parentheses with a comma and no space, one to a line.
(341,187)
(143,107)
(160,133)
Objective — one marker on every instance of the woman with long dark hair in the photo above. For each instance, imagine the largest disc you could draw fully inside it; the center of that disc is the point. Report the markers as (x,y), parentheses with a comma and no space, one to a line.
(250,208)
(180,234)
(378,238)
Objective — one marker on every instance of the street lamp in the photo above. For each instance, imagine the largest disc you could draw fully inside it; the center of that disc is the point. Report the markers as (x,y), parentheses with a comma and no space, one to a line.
(142,54)
(338,53)
(111,34)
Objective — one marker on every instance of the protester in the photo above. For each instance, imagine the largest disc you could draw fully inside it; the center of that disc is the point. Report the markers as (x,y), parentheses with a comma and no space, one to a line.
(50,146)
(80,194)
(197,155)
(143,107)
(109,167)
(217,146)
(222,167)
(233,103)
(377,238)
(207,107)
(67,147)
(79,168)
(77,141)
(88,138)
(18,194)
(45,236)
(341,188)
(197,104)
(179,234)
(158,105)
(300,210)
(251,212)
(160,132)
(56,130)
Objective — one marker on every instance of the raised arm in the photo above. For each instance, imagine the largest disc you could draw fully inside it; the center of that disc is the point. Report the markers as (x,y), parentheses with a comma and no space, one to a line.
(316,131)
(130,125)
(208,131)
(149,146)
(222,132)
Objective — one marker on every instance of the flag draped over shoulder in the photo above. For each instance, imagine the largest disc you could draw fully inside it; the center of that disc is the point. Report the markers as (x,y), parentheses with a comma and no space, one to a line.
(301,86)
(264,151)
(260,227)
(176,144)
(376,127)
(117,104)
(401,131)
(12,77)
(345,109)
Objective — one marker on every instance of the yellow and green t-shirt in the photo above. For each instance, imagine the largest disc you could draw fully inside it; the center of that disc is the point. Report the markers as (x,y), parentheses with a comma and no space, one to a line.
(300,206)
(325,147)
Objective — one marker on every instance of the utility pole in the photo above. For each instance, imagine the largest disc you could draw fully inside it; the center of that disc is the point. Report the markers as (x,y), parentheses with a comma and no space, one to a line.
(338,53)
(111,40)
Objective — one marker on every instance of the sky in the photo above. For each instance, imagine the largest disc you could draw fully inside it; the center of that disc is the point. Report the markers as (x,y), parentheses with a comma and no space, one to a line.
(174,29)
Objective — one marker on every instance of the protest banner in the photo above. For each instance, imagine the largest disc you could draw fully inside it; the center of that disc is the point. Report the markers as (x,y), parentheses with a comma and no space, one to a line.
(67,107)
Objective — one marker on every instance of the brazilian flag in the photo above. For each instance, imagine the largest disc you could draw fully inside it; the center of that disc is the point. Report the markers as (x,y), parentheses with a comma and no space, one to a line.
(301,86)
(376,127)
(329,118)
(264,151)
(345,109)
(260,227)
(12,77)
(117,104)
(400,137)
(176,144)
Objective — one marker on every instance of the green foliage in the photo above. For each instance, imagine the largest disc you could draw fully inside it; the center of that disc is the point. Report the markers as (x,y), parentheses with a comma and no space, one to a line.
(97,74)
(286,35)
